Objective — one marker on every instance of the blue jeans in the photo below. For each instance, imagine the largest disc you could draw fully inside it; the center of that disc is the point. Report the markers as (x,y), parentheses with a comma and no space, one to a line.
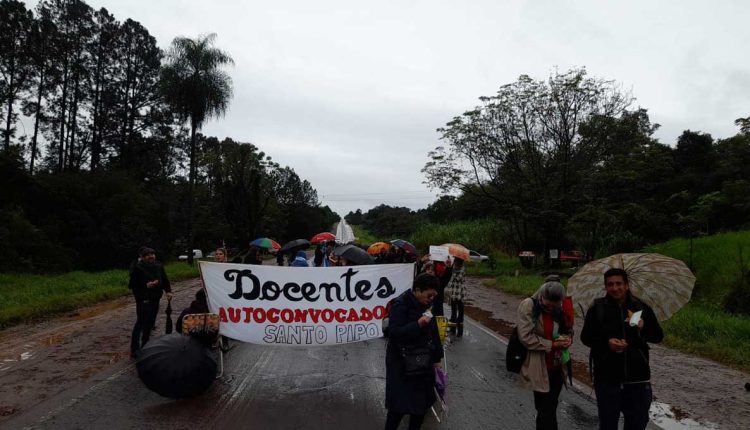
(633,400)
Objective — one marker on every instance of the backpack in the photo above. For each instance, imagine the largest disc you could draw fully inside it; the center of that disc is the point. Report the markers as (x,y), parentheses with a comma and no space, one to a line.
(515,354)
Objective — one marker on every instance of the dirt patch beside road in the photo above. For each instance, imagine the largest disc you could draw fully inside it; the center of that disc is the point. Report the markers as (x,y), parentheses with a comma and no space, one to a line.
(693,387)
(38,361)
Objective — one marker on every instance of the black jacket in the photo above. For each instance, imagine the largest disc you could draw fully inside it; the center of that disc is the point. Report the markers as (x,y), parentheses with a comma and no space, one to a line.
(605,320)
(141,273)
(409,395)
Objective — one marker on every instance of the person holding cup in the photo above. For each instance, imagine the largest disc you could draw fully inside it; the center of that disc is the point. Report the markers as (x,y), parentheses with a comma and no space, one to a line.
(618,329)
(544,333)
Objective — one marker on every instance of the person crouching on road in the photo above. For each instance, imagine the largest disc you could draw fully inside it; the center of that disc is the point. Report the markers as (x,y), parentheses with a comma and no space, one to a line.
(409,389)
(542,331)
(148,281)
(619,350)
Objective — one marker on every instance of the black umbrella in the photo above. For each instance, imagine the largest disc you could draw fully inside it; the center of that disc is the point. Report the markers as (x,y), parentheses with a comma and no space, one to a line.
(294,245)
(168,312)
(176,366)
(354,254)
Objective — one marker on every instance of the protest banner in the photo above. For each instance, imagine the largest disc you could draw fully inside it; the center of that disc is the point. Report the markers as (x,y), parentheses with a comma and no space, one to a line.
(439,253)
(297,306)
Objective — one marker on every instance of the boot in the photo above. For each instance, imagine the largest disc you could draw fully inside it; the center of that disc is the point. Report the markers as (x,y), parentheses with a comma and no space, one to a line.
(459,329)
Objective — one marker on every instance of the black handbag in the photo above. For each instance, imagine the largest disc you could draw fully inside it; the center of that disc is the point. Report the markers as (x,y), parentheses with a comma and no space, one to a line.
(417,360)
(515,354)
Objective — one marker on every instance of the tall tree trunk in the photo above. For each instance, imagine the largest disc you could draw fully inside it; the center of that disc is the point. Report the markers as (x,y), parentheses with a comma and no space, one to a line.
(63,107)
(34,138)
(191,181)
(10,103)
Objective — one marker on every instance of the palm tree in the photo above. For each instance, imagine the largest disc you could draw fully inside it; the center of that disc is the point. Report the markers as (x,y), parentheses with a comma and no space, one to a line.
(195,86)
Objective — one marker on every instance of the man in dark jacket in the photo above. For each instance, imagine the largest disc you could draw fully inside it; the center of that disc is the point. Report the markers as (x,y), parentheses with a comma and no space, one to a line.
(148,281)
(619,349)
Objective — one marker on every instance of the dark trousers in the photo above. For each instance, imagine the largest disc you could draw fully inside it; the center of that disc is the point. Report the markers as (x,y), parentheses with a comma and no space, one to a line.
(155,314)
(457,316)
(633,400)
(145,311)
(393,419)
(546,403)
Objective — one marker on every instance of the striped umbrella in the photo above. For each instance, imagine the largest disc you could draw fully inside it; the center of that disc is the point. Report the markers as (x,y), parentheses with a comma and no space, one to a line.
(664,283)
(266,243)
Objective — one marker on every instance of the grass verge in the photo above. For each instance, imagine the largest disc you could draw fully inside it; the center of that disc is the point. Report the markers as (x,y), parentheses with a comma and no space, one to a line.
(26,297)
(364,237)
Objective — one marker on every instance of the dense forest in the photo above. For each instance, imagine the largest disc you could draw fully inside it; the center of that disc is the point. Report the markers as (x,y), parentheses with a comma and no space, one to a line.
(101,148)
(568,163)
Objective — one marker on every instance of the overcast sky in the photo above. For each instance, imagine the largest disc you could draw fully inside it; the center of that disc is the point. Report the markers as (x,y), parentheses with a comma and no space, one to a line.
(349,93)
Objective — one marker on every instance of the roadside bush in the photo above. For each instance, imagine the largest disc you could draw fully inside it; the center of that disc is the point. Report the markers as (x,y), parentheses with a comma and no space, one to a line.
(483,235)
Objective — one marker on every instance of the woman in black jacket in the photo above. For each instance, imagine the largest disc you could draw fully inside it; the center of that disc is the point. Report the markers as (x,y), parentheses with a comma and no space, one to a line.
(411,326)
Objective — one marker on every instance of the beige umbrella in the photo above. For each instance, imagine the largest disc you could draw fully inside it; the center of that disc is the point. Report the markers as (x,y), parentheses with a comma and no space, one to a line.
(664,283)
(457,250)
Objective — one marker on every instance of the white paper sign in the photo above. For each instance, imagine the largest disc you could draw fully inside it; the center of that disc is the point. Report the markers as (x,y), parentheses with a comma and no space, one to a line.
(302,306)
(438,253)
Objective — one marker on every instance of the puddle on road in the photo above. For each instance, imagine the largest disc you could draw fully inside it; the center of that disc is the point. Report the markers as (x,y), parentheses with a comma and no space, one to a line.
(664,416)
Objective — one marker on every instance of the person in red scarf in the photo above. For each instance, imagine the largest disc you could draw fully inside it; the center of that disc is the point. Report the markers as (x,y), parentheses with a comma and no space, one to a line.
(543,331)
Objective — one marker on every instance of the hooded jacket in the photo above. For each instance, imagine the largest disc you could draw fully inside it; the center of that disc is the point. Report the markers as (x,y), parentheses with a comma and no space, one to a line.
(605,320)
(300,260)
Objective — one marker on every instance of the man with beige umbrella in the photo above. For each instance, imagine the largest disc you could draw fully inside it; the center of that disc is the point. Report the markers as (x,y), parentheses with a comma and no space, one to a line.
(618,328)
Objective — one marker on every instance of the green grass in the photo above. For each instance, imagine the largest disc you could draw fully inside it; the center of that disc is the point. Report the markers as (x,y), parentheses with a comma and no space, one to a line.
(522,285)
(26,297)
(483,236)
(715,262)
(708,332)
(364,237)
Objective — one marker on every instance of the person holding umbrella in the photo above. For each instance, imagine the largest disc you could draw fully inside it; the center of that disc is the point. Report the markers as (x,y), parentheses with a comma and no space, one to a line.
(618,329)
(456,292)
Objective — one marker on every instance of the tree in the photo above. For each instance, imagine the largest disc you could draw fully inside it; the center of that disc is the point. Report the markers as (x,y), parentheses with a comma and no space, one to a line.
(523,148)
(15,30)
(194,84)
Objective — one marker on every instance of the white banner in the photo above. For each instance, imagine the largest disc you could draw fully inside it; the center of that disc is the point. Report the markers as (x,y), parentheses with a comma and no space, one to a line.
(302,306)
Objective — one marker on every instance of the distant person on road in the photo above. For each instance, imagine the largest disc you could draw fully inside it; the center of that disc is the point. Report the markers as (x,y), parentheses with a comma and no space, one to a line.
(279,258)
(320,256)
(411,330)
(300,260)
(253,256)
(148,282)
(456,292)
(542,330)
(220,256)
(619,349)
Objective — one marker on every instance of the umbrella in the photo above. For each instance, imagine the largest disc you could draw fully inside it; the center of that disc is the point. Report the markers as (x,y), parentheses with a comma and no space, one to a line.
(353,254)
(458,251)
(168,313)
(662,282)
(267,243)
(176,366)
(377,247)
(294,245)
(323,237)
(406,246)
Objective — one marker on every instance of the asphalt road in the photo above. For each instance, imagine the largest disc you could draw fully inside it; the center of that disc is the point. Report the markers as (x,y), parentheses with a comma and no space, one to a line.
(306,388)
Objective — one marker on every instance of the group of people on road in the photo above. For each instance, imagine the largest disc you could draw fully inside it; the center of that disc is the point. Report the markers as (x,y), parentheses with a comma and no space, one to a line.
(619,347)
(619,351)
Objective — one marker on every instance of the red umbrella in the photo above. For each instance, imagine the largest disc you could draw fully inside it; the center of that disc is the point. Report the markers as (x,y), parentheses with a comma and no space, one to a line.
(323,237)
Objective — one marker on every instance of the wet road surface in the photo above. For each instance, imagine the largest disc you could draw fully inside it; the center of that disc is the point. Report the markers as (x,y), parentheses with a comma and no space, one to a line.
(338,387)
